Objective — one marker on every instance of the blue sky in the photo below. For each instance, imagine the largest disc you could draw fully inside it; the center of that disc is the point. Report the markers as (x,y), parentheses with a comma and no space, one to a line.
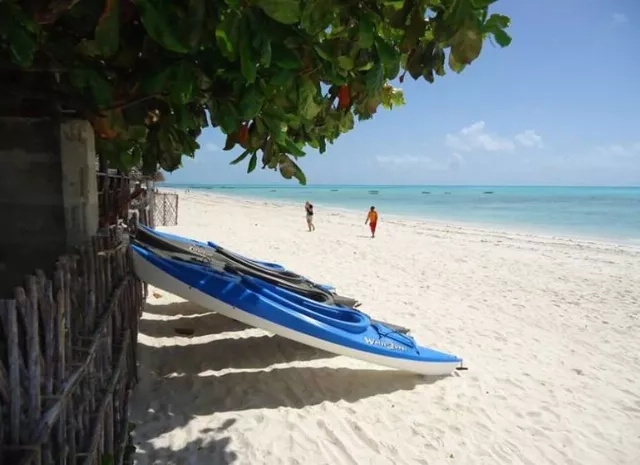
(560,106)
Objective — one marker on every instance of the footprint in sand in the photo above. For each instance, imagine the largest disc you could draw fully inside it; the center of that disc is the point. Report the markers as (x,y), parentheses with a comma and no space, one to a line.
(364,436)
(336,441)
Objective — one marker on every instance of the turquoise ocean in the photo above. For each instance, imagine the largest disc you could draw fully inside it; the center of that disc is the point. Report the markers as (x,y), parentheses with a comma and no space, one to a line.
(604,213)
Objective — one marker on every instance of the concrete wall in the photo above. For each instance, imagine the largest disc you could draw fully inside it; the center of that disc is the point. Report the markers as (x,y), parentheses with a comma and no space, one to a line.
(79,183)
(48,202)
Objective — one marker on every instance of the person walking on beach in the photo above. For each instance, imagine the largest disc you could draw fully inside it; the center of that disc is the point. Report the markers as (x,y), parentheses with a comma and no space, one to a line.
(372,219)
(309,209)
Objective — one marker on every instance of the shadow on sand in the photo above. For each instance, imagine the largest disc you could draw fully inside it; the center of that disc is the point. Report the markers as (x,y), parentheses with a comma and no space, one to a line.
(174,387)
(200,451)
(238,353)
(196,323)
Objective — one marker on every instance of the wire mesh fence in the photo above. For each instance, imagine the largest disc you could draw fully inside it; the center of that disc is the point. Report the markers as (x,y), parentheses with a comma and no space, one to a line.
(165,209)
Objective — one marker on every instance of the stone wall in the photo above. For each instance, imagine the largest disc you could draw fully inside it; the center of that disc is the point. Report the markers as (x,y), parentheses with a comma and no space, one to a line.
(32,230)
(48,198)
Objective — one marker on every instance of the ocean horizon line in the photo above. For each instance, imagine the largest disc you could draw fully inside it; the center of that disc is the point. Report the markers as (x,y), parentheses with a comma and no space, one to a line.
(605,212)
(297,186)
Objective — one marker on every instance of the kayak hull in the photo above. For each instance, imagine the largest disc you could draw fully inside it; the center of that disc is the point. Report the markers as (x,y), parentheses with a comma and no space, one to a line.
(164,241)
(152,271)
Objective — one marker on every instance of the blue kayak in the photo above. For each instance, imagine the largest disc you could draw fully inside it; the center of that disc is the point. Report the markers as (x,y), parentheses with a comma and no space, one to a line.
(271,272)
(258,303)
(177,243)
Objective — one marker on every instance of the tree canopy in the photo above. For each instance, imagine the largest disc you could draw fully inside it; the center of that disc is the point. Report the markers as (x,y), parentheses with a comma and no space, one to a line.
(276,76)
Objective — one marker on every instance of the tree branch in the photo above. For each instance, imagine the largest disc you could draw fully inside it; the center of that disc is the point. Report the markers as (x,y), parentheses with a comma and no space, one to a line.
(122,105)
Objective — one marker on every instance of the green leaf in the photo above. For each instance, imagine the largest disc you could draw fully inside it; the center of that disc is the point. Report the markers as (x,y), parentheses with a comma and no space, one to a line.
(365,32)
(194,22)
(392,97)
(415,31)
(322,52)
(231,141)
(374,79)
(346,122)
(159,23)
(137,132)
(108,29)
(227,117)
(345,62)
(182,83)
(99,87)
(256,136)
(482,3)
(251,103)
(252,163)
(268,152)
(458,12)
(502,38)
(293,148)
(455,65)
(307,93)
(389,57)
(496,21)
(322,145)
(414,64)
(299,174)
(156,81)
(248,63)
(23,47)
(242,156)
(227,35)
(88,48)
(18,31)
(316,15)
(289,169)
(284,57)
(265,55)
(399,18)
(276,126)
(283,11)
(466,45)
(427,73)
(438,61)
(282,77)
(286,168)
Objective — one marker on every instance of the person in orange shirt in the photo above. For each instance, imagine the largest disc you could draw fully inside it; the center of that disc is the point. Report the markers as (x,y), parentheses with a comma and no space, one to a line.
(372,219)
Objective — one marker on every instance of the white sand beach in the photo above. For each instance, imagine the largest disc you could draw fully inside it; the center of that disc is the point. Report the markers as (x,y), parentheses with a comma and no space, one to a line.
(549,328)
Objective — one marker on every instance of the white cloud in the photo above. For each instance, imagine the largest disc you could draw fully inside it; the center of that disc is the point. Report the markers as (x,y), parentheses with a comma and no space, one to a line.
(407,161)
(619,150)
(620,18)
(402,159)
(456,161)
(529,138)
(211,147)
(475,137)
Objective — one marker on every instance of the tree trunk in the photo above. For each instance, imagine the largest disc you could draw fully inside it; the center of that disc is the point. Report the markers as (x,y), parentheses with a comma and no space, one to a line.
(48,194)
